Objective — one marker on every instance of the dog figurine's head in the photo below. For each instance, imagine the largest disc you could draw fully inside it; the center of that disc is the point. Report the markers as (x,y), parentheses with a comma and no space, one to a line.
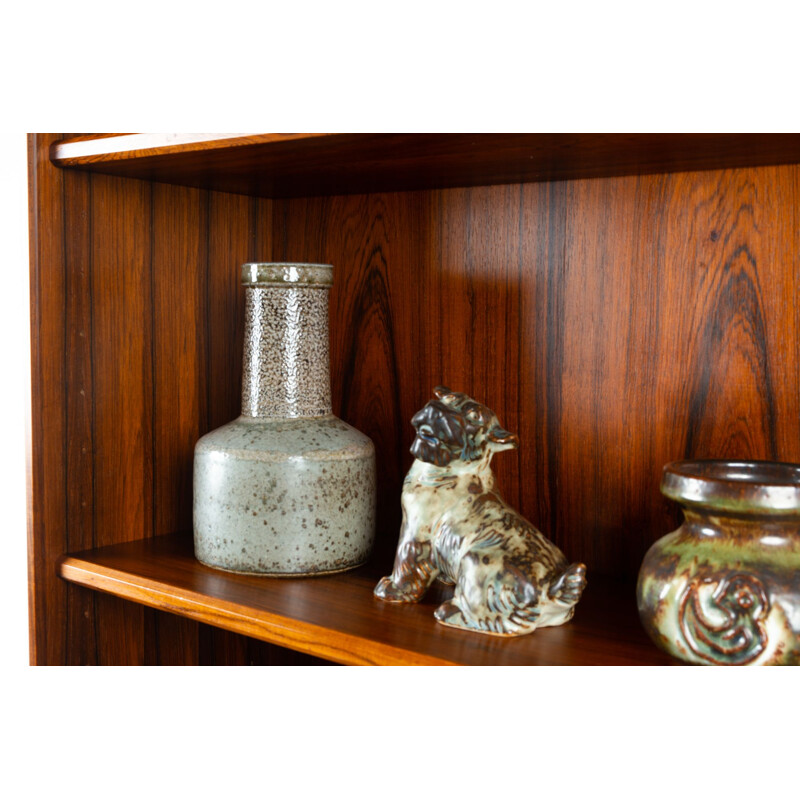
(454,427)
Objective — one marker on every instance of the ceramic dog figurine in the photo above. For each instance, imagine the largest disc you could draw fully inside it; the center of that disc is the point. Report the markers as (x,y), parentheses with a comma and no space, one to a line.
(509,580)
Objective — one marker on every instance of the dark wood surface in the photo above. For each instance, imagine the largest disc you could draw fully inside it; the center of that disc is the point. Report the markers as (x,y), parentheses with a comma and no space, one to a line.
(47,469)
(336,617)
(296,165)
(614,324)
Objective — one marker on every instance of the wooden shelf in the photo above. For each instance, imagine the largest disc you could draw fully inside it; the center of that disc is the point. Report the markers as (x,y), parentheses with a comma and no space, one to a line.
(337,618)
(307,164)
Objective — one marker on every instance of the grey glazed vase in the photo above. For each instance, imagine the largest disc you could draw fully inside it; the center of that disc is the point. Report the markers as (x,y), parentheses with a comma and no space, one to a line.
(287,488)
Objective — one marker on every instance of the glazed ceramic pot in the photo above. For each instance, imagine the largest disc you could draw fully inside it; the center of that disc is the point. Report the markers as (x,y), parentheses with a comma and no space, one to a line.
(725,587)
(287,488)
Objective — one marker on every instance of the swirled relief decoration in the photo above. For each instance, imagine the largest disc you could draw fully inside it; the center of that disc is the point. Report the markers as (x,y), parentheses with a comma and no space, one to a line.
(722,618)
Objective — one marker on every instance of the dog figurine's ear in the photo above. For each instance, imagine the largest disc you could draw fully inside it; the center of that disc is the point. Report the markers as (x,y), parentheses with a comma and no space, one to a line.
(501,439)
(444,394)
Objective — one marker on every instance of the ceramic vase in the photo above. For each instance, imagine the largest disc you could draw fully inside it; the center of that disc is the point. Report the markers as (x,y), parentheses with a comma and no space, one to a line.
(725,587)
(287,488)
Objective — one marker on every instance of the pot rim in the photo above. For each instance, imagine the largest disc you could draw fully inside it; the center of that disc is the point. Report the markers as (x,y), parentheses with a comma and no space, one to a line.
(770,488)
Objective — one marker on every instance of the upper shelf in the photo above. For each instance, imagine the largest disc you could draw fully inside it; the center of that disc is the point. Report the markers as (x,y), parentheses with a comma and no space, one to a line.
(308,164)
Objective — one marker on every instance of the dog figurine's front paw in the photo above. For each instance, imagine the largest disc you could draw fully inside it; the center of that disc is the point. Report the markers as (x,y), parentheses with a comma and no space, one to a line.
(388,590)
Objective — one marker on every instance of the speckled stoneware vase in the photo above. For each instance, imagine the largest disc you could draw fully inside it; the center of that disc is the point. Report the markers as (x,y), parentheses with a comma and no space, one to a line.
(725,587)
(287,488)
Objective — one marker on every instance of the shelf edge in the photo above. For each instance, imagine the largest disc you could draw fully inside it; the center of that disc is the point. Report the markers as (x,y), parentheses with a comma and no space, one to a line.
(294,634)
(83,151)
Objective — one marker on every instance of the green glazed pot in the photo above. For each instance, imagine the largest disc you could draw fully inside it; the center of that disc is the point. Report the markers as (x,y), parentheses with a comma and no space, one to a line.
(725,587)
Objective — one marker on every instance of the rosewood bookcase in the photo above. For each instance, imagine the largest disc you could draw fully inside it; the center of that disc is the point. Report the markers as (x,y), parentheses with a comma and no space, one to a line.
(620,300)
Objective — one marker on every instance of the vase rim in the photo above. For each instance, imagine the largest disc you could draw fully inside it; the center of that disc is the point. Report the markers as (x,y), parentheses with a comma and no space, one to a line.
(287,274)
(769,488)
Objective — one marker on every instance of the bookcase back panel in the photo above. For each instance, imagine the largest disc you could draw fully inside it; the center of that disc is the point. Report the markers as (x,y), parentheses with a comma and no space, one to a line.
(614,324)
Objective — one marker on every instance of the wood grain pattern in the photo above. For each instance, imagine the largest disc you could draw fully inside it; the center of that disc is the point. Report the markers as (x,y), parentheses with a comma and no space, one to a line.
(179,285)
(80,409)
(614,324)
(337,618)
(47,486)
(122,363)
(299,165)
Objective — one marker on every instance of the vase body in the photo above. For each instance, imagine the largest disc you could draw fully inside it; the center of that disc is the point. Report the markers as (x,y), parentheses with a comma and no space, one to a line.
(287,488)
(725,587)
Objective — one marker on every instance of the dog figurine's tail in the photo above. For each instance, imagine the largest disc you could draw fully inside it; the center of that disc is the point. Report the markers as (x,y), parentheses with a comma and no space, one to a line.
(569,586)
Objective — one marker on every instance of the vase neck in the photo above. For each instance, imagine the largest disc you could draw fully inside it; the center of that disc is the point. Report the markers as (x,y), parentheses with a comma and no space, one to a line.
(286,362)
